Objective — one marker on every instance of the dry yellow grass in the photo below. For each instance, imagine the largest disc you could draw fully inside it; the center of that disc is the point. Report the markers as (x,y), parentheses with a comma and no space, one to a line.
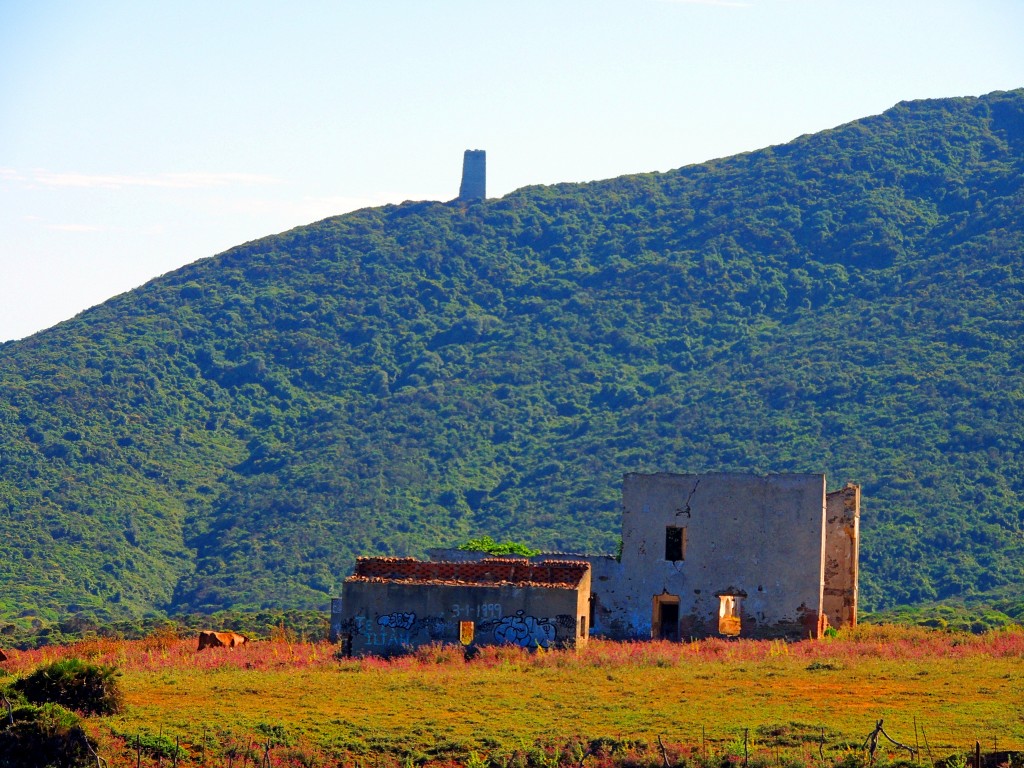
(955,690)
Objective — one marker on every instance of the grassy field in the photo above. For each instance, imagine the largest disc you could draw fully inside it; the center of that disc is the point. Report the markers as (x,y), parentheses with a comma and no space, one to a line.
(284,703)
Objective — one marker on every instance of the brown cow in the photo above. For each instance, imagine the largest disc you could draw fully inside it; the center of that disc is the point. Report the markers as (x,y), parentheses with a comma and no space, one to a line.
(209,639)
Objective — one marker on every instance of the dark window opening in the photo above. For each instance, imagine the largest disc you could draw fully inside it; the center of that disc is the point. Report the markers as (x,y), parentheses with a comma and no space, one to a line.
(675,543)
(583,626)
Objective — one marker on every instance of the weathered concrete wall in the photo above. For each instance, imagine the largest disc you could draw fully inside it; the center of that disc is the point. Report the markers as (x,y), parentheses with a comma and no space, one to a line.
(757,539)
(474,175)
(382,617)
(842,553)
(607,607)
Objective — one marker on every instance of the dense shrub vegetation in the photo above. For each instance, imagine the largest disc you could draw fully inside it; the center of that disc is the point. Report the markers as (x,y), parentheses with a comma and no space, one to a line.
(90,689)
(498,548)
(42,727)
(47,735)
(232,434)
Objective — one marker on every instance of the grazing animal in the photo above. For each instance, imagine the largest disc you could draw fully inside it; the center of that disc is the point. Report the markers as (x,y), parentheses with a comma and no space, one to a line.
(220,640)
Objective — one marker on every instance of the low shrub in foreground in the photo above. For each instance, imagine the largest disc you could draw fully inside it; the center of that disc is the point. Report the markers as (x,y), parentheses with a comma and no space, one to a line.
(48,735)
(88,688)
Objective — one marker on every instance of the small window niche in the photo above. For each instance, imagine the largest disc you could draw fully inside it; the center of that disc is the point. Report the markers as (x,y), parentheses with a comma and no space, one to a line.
(729,615)
(583,626)
(675,543)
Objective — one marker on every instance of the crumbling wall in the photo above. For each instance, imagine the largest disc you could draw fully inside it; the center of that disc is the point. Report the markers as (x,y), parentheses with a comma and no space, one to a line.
(609,599)
(396,605)
(842,552)
(751,544)
(607,606)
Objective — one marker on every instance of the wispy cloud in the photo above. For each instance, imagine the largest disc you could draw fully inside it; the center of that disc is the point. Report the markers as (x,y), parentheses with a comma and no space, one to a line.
(719,3)
(75,228)
(193,180)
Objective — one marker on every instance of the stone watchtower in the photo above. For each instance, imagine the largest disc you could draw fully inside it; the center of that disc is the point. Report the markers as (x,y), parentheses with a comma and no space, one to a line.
(474,175)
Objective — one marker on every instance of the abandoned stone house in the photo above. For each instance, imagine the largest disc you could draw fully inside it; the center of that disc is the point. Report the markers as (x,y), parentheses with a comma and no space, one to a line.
(702,555)
(390,604)
(731,554)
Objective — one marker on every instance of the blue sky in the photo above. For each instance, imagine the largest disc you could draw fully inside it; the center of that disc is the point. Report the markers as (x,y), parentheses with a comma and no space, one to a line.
(136,137)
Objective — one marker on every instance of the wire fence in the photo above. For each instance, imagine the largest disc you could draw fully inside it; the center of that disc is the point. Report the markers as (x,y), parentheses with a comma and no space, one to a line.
(795,745)
(916,741)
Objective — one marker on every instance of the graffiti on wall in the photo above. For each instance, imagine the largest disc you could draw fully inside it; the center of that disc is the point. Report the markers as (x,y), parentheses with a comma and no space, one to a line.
(434,626)
(405,629)
(525,631)
(397,620)
(382,634)
(396,629)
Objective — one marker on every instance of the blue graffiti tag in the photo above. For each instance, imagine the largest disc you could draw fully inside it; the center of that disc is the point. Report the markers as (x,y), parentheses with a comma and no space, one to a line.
(397,620)
(525,631)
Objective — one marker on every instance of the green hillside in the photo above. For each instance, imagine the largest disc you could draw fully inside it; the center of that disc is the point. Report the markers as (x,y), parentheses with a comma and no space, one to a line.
(233,433)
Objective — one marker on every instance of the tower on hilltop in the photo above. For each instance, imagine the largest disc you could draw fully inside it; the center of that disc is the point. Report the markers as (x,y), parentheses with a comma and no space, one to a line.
(474,175)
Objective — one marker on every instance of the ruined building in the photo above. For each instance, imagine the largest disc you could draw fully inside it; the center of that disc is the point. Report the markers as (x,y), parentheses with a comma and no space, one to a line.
(717,554)
(474,175)
(731,554)
(391,604)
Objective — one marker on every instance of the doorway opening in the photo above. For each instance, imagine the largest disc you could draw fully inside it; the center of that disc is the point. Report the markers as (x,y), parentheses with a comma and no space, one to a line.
(665,624)
(729,615)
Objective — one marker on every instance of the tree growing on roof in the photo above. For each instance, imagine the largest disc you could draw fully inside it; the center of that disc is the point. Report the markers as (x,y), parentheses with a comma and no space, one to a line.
(492,547)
